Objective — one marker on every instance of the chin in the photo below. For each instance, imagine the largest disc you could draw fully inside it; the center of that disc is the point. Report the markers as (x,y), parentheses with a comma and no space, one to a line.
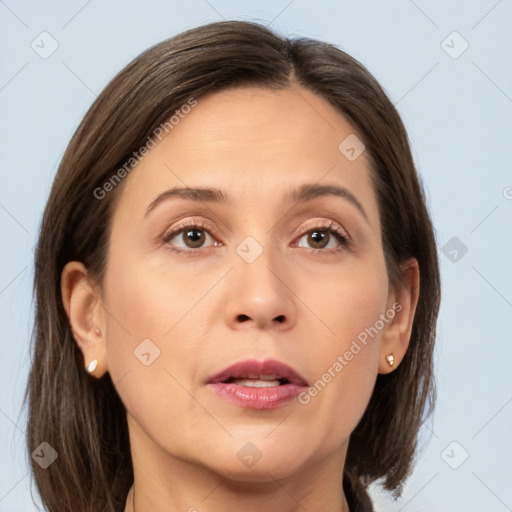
(260,473)
(252,465)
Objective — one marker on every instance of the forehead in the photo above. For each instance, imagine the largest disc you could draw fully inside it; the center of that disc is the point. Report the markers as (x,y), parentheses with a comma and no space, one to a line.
(255,143)
(254,119)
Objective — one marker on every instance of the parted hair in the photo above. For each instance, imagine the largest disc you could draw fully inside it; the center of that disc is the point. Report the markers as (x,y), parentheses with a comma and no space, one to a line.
(83,418)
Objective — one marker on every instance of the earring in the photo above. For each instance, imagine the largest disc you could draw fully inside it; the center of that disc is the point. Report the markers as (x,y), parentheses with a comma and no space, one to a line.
(391,359)
(97,331)
(92,365)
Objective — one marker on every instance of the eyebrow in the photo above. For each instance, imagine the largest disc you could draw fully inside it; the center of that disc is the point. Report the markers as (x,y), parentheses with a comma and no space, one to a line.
(304,193)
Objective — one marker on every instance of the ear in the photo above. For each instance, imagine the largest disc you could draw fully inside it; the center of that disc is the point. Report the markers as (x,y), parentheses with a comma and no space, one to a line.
(81,299)
(401,307)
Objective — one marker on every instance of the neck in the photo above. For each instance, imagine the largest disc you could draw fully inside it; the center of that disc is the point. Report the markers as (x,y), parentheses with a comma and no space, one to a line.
(130,504)
(193,489)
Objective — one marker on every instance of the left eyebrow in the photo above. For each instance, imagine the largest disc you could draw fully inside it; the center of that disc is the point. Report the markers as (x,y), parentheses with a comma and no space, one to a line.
(311,191)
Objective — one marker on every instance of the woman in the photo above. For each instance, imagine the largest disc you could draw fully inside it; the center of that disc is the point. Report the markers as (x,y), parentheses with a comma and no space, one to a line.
(229,309)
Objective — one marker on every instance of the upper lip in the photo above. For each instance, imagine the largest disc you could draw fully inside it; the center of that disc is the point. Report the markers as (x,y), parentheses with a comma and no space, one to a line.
(253,369)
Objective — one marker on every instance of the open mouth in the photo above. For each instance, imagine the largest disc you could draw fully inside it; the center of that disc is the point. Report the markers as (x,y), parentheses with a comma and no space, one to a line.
(257,384)
(262,381)
(258,374)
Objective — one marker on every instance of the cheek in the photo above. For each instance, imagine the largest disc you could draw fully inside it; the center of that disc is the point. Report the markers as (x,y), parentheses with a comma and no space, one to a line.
(352,301)
(347,357)
(150,341)
(143,308)
(145,300)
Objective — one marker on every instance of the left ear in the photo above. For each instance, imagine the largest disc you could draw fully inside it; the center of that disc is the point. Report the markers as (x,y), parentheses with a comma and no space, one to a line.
(401,307)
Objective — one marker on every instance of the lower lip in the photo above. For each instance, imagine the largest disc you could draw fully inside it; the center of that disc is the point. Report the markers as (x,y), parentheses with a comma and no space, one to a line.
(257,398)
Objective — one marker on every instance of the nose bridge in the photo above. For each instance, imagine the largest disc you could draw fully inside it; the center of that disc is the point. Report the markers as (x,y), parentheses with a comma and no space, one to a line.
(257,268)
(258,293)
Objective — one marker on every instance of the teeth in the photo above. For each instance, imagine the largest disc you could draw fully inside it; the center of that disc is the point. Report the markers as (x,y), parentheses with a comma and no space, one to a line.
(267,377)
(253,383)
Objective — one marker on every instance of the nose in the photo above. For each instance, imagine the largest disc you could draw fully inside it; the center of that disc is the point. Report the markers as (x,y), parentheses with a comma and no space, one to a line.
(260,295)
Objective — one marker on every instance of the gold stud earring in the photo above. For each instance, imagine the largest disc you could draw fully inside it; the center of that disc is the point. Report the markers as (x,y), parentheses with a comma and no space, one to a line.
(391,359)
(92,365)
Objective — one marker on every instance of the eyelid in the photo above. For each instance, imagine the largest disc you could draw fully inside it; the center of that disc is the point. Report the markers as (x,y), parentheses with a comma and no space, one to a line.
(189,223)
(325,225)
(345,241)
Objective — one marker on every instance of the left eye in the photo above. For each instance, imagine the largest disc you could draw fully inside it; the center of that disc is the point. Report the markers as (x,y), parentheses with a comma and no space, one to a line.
(323,239)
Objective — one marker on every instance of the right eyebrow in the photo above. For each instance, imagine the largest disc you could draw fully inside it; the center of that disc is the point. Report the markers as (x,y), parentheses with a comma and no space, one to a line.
(210,195)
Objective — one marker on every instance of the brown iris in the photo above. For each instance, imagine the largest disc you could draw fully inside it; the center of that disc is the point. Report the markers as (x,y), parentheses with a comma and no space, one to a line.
(194,238)
(318,237)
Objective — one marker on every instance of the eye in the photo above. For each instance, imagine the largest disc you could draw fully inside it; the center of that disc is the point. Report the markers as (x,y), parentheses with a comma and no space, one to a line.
(327,238)
(189,236)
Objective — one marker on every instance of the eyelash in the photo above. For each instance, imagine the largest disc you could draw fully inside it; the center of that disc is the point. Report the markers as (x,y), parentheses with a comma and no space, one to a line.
(199,225)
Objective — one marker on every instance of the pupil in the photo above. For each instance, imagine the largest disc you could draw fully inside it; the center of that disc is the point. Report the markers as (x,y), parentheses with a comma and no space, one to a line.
(195,238)
(320,238)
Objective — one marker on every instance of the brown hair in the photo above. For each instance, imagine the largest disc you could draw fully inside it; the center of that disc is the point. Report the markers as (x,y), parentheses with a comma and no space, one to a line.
(84,418)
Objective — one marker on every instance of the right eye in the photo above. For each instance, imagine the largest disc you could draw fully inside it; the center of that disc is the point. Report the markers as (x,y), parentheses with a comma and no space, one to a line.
(188,236)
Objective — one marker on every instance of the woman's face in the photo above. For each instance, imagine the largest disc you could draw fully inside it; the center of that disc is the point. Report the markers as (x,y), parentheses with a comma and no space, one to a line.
(196,282)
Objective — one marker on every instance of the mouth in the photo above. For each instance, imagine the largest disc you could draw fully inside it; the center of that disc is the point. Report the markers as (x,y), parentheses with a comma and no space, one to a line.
(260,381)
(258,384)
(253,373)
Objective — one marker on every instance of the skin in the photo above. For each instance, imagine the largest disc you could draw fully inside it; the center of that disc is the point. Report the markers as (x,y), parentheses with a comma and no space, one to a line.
(256,145)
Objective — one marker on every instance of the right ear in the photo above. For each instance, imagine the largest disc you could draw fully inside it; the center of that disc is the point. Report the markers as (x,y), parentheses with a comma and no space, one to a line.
(81,299)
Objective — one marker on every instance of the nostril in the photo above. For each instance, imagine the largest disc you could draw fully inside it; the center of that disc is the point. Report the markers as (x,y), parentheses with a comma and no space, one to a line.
(244,318)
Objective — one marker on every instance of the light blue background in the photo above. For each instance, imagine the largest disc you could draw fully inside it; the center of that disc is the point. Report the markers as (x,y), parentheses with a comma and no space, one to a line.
(458,115)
